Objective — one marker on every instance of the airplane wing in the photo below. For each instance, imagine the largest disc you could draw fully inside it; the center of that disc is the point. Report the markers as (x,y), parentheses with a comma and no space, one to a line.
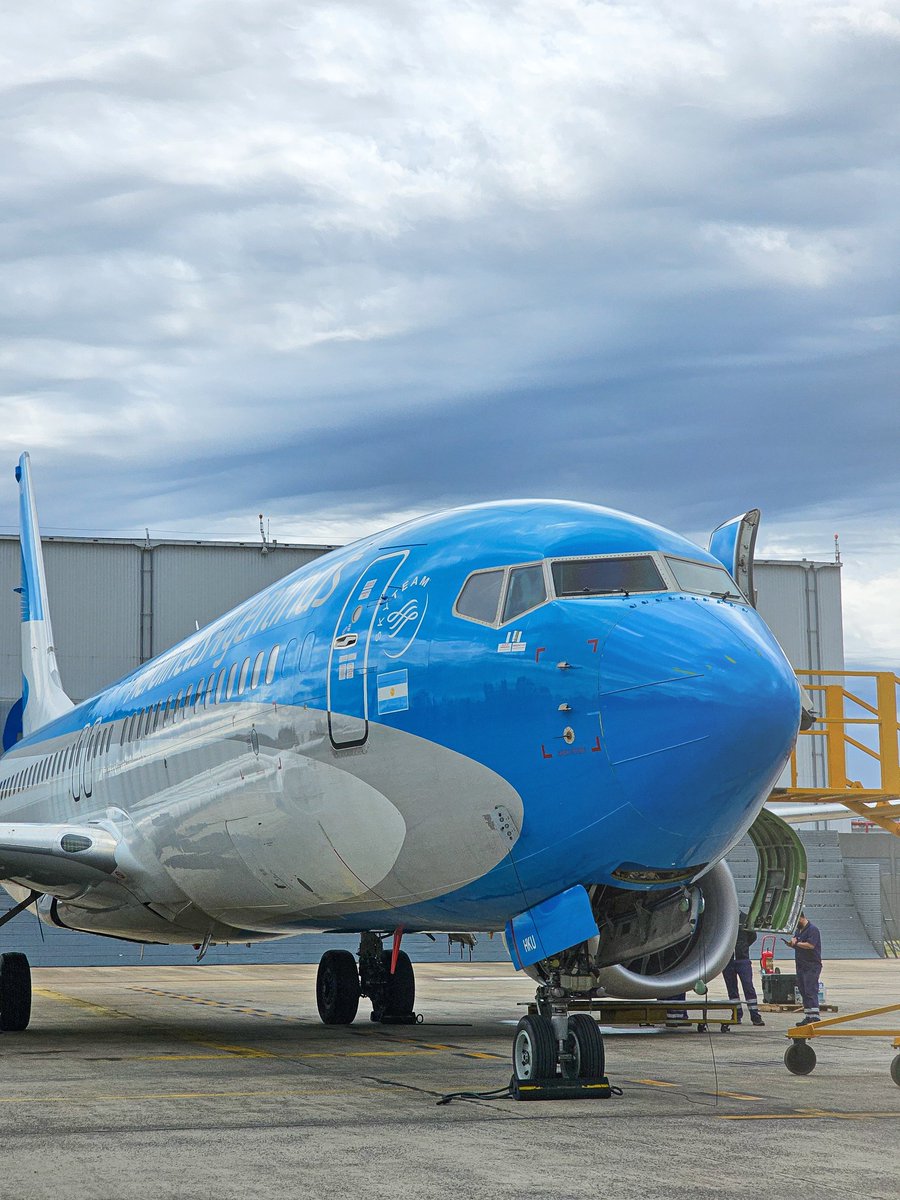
(54,856)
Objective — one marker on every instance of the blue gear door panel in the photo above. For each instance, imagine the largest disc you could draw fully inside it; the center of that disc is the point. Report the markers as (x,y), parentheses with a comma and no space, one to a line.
(348,658)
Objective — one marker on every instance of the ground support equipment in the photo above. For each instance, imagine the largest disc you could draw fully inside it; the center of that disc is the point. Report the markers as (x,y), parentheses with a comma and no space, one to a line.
(664,1013)
(794,1008)
(800,1058)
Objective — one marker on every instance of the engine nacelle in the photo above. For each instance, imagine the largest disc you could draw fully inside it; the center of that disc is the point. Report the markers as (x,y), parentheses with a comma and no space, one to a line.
(655,945)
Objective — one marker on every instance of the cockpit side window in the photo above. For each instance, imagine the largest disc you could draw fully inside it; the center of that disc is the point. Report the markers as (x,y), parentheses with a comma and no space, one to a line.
(606,576)
(480,597)
(704,579)
(526,591)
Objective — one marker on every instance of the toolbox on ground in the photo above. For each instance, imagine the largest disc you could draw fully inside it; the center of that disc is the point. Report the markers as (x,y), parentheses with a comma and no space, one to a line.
(779,989)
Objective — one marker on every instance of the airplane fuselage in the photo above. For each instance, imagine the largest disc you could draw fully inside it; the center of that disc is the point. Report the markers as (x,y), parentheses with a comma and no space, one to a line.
(368,744)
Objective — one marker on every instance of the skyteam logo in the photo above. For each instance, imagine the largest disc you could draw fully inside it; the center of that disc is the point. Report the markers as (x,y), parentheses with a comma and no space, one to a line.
(398,620)
(399,624)
(393,692)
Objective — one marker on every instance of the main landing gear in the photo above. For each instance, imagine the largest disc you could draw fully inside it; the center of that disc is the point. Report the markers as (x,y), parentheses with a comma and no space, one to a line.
(15,993)
(556,1055)
(339,983)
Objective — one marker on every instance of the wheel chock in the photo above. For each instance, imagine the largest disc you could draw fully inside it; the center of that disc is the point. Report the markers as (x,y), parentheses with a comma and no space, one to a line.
(561,1089)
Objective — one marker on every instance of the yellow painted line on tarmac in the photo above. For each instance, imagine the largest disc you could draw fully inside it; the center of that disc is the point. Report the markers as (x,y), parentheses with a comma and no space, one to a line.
(91,1097)
(655,1083)
(76,1002)
(178,1057)
(238,1051)
(208,1003)
(736,1095)
(810,1115)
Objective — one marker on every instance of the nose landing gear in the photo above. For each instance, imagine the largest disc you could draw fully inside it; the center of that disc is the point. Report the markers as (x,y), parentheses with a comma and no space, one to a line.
(557,1056)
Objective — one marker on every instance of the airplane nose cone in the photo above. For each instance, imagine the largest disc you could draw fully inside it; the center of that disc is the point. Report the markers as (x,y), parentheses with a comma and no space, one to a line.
(699,710)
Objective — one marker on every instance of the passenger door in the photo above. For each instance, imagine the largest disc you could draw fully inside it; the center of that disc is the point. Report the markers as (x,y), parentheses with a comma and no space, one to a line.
(348,656)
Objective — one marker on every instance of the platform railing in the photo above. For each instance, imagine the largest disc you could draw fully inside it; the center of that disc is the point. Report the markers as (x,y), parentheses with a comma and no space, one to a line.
(857,716)
(843,713)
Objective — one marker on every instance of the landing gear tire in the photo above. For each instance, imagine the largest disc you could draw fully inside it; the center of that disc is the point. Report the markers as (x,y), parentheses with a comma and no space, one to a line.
(702,1027)
(15,993)
(585,1044)
(534,1049)
(337,987)
(895,1070)
(800,1058)
(394,996)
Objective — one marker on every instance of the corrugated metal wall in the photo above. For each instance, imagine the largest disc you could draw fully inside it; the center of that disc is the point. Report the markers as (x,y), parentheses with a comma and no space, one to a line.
(114,604)
(801,603)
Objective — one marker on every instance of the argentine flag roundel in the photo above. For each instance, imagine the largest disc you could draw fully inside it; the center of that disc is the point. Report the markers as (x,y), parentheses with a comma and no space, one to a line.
(393,692)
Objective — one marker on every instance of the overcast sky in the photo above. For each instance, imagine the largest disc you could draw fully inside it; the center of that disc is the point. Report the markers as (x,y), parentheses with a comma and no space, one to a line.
(339,262)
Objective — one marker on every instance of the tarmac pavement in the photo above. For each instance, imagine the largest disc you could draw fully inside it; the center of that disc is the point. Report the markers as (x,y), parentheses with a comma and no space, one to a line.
(183,1082)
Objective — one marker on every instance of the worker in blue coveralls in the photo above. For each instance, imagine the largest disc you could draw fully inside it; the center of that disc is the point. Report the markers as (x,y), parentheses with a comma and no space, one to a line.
(740,968)
(807,945)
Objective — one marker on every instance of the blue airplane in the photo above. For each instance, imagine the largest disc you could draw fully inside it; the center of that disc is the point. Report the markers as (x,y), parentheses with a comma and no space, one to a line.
(542,717)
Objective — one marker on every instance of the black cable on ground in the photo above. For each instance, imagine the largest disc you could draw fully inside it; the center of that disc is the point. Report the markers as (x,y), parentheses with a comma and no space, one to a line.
(504,1093)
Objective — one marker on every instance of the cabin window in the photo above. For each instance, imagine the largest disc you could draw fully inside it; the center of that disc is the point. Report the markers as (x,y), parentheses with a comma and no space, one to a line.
(198,695)
(526,590)
(220,686)
(703,578)
(272,663)
(287,661)
(620,576)
(480,597)
(306,652)
(232,674)
(257,669)
(245,671)
(188,693)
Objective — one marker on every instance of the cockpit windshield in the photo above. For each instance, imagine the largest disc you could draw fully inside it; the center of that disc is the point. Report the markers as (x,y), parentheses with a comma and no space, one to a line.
(703,578)
(496,595)
(606,576)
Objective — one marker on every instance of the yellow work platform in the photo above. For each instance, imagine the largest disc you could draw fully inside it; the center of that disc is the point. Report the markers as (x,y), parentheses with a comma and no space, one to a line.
(662,1013)
(800,1058)
(851,731)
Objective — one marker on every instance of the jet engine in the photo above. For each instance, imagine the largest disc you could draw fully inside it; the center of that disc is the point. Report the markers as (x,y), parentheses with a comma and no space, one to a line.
(652,944)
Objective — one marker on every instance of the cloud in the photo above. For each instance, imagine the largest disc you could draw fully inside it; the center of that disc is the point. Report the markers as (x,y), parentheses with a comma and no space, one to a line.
(342,262)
